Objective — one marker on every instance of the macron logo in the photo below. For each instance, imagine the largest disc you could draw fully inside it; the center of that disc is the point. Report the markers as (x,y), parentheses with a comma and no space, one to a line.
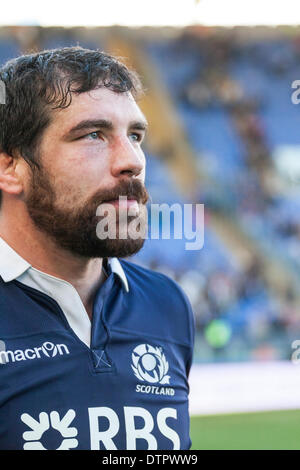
(47,349)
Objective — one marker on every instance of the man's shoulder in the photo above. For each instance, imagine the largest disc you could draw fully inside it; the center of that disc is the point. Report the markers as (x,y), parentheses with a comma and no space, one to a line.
(158,286)
(168,303)
(149,278)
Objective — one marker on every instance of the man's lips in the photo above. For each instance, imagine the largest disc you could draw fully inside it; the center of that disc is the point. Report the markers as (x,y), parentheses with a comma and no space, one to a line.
(123,203)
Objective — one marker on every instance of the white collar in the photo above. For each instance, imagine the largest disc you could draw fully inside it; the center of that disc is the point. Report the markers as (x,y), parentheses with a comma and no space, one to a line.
(12,265)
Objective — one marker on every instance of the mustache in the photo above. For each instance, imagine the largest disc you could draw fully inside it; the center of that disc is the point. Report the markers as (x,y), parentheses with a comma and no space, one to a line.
(132,189)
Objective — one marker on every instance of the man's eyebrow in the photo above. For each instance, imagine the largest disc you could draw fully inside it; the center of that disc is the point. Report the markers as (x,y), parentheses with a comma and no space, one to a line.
(141,125)
(89,124)
(103,124)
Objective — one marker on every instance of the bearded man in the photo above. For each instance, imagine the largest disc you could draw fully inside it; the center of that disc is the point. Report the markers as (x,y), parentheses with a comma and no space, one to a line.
(95,350)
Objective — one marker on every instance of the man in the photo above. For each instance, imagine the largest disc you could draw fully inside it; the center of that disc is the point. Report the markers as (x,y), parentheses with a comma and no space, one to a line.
(95,351)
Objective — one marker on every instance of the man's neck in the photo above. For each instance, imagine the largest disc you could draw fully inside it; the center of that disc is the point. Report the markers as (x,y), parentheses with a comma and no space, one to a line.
(39,250)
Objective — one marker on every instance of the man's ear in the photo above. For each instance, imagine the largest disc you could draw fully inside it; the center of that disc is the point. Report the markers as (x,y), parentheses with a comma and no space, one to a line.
(11,172)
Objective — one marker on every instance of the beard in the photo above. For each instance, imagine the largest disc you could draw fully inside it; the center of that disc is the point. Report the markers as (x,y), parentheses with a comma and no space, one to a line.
(75,230)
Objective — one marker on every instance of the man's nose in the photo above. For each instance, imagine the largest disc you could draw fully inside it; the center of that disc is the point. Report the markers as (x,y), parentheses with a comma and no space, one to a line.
(127,159)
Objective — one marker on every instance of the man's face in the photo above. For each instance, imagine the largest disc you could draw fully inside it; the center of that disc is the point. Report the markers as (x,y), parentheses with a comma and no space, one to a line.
(89,154)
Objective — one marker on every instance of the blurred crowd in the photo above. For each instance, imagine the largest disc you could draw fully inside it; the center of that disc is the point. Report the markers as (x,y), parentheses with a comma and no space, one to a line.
(238,313)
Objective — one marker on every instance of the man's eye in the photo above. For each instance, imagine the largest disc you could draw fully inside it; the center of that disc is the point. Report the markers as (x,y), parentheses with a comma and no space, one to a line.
(94,135)
(136,137)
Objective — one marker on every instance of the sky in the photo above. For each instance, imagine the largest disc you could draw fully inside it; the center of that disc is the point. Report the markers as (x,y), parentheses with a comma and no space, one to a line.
(150,12)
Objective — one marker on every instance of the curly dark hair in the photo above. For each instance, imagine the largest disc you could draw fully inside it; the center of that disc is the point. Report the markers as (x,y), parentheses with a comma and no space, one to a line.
(37,83)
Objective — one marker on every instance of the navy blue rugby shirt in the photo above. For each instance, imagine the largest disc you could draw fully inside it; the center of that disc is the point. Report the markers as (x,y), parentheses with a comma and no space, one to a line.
(119,384)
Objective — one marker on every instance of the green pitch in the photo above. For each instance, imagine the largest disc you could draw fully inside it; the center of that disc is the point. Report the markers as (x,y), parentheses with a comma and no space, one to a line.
(265,430)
